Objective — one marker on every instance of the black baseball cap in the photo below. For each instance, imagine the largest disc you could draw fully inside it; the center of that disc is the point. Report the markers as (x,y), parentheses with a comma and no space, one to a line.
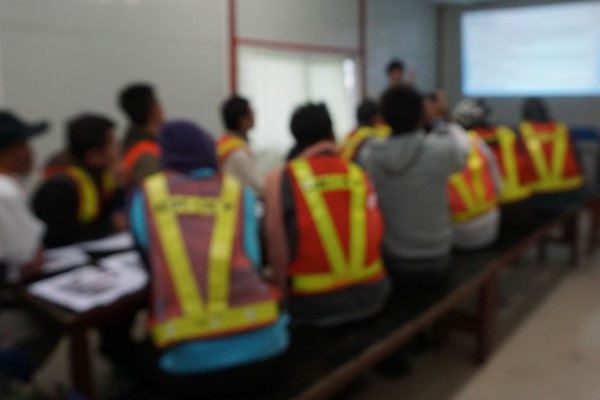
(14,129)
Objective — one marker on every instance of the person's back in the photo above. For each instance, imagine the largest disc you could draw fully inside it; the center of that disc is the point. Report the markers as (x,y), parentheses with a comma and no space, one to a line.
(199,232)
(560,181)
(324,229)
(370,126)
(410,171)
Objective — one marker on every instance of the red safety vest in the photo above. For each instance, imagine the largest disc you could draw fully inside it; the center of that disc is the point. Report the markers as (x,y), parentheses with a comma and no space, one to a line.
(516,167)
(91,198)
(339,226)
(472,190)
(551,150)
(356,139)
(227,144)
(204,285)
(135,152)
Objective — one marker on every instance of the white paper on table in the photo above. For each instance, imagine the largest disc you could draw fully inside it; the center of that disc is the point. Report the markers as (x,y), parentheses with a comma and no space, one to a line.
(61,258)
(88,287)
(117,242)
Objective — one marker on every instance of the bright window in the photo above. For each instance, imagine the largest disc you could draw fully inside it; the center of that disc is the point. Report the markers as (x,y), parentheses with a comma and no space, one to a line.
(276,82)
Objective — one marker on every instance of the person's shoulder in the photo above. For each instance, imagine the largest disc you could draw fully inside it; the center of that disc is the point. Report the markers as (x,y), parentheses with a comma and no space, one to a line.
(10,188)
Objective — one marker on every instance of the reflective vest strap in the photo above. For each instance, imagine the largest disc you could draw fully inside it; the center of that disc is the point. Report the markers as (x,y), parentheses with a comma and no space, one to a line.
(358,219)
(352,144)
(221,246)
(560,152)
(534,146)
(317,283)
(512,187)
(89,207)
(320,215)
(173,245)
(134,153)
(235,319)
(473,196)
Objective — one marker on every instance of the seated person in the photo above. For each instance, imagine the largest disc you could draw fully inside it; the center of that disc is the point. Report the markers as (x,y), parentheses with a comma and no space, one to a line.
(516,169)
(144,111)
(324,228)
(215,324)
(233,151)
(474,194)
(26,339)
(370,126)
(560,181)
(78,198)
(410,171)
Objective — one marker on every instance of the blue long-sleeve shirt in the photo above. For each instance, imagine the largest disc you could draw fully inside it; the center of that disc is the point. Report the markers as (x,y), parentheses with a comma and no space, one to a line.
(214,354)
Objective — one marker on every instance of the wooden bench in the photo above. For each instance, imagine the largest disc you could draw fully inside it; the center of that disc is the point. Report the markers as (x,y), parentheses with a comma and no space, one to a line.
(321,363)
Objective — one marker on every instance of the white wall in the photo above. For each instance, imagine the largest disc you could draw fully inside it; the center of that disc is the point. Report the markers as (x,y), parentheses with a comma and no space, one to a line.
(573,110)
(61,57)
(402,29)
(320,22)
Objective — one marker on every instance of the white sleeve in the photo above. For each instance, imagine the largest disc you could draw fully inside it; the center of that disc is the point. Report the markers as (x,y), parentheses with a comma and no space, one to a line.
(241,165)
(20,233)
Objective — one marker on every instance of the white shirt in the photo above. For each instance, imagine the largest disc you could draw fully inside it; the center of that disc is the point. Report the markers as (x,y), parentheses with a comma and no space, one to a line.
(242,165)
(20,231)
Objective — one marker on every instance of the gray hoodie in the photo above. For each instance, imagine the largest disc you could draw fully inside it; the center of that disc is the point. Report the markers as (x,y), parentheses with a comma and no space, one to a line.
(410,172)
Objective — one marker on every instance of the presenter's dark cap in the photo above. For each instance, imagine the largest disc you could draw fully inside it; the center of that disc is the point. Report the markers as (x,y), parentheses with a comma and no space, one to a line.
(13,129)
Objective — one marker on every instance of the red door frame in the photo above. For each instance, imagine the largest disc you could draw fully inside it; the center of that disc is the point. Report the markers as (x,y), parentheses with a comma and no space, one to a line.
(359,53)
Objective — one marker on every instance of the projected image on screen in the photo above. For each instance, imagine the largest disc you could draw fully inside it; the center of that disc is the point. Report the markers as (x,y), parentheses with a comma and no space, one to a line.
(551,50)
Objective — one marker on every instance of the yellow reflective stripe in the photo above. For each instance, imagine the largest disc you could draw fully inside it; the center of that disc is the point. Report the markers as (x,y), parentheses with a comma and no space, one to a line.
(559,152)
(109,183)
(88,203)
(473,198)
(536,151)
(320,216)
(235,318)
(229,145)
(358,219)
(221,246)
(315,283)
(512,189)
(173,245)
(192,205)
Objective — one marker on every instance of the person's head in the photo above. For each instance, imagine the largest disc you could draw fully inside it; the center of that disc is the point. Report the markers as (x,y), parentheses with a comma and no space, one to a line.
(141,105)
(16,155)
(402,109)
(434,106)
(471,113)
(91,141)
(311,124)
(186,147)
(367,113)
(534,109)
(237,115)
(395,72)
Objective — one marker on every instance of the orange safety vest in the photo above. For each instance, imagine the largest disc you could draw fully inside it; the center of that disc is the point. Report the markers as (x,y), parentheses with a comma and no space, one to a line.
(349,149)
(227,144)
(90,197)
(516,168)
(204,285)
(133,154)
(551,150)
(339,226)
(472,190)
